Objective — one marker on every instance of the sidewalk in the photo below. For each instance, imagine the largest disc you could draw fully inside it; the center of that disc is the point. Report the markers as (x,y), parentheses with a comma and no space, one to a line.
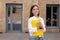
(25,36)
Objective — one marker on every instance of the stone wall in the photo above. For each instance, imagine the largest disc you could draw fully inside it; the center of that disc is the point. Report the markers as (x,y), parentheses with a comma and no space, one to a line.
(26,8)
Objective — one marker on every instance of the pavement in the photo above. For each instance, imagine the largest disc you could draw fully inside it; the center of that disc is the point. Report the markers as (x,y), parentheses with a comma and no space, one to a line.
(25,36)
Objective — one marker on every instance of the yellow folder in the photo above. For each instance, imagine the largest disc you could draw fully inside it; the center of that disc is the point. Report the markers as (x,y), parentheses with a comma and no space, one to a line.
(39,31)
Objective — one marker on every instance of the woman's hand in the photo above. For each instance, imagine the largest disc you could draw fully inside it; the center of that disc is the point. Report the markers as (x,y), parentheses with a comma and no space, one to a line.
(39,25)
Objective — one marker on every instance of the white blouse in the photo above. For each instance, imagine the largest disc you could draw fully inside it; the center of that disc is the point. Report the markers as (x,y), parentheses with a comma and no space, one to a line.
(31,30)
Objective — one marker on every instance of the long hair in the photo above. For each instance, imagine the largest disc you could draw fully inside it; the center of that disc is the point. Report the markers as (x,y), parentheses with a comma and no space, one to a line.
(31,14)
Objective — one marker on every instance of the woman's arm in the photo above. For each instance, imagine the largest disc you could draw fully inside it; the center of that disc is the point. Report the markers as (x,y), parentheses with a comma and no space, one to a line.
(44,28)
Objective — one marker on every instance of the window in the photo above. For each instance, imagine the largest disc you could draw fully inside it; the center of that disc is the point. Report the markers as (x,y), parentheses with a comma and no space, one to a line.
(52,15)
(14,10)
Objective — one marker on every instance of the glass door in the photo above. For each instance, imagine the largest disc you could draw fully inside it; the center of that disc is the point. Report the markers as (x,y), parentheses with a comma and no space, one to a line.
(14,18)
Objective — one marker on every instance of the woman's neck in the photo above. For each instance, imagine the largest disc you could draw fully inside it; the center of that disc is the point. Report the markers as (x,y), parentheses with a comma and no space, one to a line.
(37,16)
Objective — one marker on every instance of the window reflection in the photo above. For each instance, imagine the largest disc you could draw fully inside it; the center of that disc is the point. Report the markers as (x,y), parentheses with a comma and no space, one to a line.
(48,16)
(54,16)
(48,21)
(51,15)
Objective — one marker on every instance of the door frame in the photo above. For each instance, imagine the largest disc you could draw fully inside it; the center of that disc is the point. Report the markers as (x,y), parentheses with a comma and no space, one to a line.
(11,4)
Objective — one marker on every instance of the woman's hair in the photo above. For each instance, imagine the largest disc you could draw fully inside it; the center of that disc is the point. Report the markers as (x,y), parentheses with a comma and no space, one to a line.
(31,14)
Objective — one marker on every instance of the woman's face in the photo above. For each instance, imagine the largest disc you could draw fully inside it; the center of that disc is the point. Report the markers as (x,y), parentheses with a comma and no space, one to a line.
(35,11)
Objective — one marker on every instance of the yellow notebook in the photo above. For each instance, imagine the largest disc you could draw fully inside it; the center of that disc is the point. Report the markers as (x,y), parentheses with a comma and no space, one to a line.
(39,31)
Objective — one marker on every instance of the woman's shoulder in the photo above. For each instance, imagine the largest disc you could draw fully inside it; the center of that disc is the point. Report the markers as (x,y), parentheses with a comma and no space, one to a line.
(30,18)
(41,18)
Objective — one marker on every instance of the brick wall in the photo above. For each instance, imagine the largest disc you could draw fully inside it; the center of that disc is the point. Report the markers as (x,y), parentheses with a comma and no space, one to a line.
(26,8)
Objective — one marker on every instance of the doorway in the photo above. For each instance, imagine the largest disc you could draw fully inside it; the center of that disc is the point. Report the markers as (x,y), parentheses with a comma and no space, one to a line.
(14,17)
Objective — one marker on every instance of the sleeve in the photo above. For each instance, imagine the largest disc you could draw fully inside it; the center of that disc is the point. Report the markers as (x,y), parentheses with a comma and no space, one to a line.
(44,28)
(31,30)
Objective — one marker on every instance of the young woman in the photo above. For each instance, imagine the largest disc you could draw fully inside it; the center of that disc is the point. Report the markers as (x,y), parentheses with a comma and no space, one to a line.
(36,24)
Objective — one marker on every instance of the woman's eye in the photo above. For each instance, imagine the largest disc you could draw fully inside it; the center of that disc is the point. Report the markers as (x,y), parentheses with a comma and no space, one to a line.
(33,9)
